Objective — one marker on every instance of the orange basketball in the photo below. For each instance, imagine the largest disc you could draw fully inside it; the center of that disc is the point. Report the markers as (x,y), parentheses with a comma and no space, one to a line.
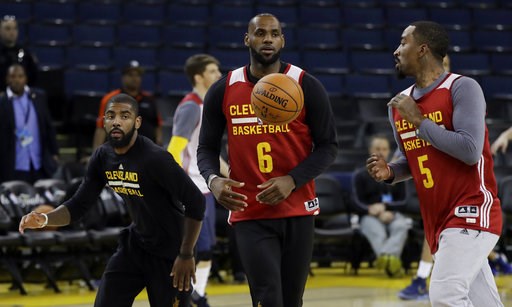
(277,99)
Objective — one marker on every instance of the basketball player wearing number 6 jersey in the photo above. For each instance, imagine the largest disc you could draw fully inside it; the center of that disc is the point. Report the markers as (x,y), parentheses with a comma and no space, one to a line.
(439,125)
(270,191)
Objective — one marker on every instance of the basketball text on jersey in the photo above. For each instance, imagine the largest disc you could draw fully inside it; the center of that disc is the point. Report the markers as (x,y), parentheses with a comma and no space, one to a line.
(414,142)
(245,125)
(124,182)
(312,205)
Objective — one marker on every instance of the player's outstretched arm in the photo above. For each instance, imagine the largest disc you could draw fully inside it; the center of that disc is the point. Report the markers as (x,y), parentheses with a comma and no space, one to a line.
(57,217)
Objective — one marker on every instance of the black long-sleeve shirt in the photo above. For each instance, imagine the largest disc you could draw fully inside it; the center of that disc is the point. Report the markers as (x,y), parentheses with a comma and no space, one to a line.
(154,187)
(319,118)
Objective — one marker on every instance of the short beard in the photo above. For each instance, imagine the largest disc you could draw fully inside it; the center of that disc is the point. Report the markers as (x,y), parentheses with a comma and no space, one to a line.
(123,141)
(262,60)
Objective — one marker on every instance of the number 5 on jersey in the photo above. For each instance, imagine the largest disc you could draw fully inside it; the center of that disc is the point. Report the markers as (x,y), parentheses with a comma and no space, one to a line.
(428,182)
(264,159)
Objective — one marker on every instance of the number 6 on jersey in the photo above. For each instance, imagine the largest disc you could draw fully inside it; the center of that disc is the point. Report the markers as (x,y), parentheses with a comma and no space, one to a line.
(264,159)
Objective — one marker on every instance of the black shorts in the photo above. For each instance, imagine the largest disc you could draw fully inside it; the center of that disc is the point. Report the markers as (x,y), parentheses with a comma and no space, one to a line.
(130,270)
(276,255)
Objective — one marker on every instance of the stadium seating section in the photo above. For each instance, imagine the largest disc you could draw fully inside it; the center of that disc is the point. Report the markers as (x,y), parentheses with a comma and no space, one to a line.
(346,44)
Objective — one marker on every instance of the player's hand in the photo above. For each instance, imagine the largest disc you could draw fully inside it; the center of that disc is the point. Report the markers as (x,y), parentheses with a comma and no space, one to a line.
(378,168)
(376,209)
(500,144)
(275,190)
(32,220)
(407,108)
(183,271)
(221,189)
(386,217)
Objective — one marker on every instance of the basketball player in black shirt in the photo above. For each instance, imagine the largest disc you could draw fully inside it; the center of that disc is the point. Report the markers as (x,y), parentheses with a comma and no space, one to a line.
(156,250)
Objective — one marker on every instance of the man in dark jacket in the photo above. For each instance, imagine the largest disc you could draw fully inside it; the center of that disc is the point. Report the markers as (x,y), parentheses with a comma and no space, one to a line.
(27,138)
(11,52)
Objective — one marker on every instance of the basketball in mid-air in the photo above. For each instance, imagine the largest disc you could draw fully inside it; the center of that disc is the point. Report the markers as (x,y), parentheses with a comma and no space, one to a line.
(277,99)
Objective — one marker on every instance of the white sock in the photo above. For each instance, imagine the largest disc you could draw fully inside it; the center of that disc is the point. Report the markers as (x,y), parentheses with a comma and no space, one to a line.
(424,269)
(202,274)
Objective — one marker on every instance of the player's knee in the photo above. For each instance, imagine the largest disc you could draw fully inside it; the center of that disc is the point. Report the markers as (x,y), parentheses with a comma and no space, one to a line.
(447,294)
(204,256)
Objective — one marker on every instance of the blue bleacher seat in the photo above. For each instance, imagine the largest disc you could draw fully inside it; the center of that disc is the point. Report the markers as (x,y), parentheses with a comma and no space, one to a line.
(367,86)
(452,19)
(139,36)
(288,15)
(501,63)
(479,4)
(460,41)
(22,33)
(54,12)
(226,37)
(278,2)
(171,58)
(79,82)
(229,15)
(326,61)
(94,35)
(494,41)
(493,19)
(392,38)
(364,39)
(372,62)
(99,12)
(173,83)
(333,84)
(443,4)
(497,88)
(147,57)
(320,3)
(182,36)
(471,64)
(399,3)
(403,17)
(230,58)
(360,3)
(195,15)
(318,38)
(145,14)
(90,58)
(320,16)
(398,85)
(49,35)
(367,18)
(50,58)
(21,10)
(290,38)
(292,57)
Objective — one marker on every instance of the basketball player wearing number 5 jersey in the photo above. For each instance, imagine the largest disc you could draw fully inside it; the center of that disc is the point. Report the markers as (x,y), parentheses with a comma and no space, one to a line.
(270,191)
(439,125)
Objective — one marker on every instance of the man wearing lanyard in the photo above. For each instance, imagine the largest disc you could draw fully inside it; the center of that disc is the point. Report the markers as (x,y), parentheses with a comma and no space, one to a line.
(27,138)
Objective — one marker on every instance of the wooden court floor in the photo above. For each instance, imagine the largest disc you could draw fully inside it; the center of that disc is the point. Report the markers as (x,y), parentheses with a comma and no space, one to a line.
(329,287)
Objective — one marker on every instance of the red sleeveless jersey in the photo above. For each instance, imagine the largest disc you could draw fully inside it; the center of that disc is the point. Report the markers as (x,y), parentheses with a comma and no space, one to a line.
(259,152)
(452,194)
